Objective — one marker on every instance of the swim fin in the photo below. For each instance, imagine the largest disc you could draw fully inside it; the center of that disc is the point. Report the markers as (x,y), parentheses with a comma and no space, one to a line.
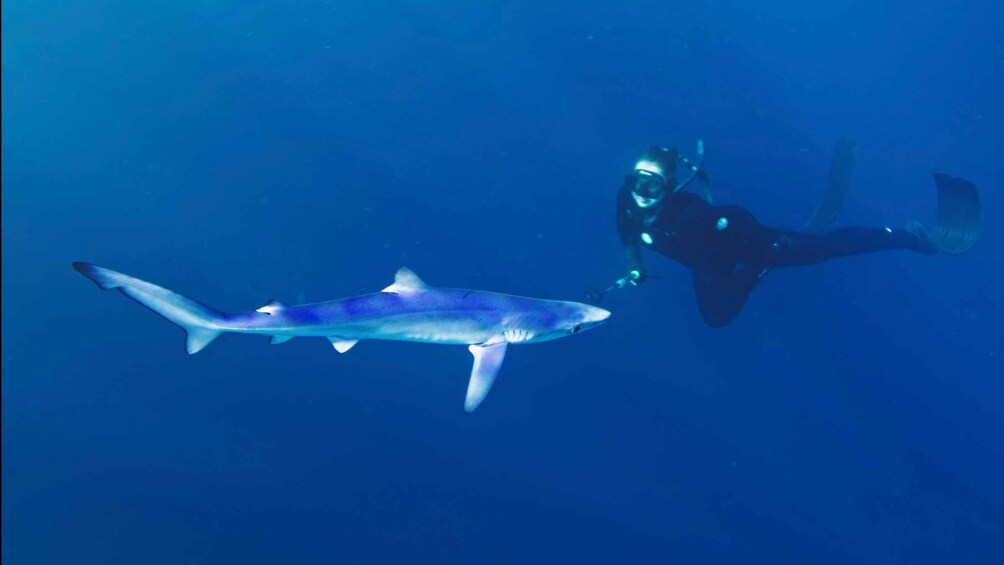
(960,216)
(837,186)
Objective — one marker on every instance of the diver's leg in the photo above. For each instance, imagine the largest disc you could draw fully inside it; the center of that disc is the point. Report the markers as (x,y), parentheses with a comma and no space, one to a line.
(956,229)
(791,248)
(734,266)
(721,296)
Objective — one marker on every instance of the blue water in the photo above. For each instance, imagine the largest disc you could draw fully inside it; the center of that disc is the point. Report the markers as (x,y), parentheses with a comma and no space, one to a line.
(244,151)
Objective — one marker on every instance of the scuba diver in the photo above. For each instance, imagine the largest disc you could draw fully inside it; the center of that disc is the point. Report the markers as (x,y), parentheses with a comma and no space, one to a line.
(729,251)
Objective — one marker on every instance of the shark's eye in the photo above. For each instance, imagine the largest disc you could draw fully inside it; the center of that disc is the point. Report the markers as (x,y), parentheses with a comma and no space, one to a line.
(576,329)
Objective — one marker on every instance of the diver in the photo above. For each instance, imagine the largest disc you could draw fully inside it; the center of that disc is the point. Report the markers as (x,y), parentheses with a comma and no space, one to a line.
(728,251)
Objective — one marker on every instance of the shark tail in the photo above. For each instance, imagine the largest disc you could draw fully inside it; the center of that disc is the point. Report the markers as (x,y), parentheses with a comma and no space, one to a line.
(200,322)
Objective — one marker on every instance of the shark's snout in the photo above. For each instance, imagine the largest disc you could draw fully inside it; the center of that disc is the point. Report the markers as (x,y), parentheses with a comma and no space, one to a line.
(594,315)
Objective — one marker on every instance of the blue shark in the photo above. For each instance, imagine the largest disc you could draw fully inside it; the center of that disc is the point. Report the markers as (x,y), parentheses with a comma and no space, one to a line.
(407,310)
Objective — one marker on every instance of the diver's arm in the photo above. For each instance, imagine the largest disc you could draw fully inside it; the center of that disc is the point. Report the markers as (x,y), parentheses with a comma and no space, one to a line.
(636,270)
(629,239)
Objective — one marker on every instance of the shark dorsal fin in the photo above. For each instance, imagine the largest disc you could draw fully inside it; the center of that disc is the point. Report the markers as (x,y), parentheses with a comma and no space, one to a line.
(271,307)
(406,281)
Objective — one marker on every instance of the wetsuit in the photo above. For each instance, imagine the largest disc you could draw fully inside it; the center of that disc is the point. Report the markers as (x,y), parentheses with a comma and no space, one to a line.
(728,250)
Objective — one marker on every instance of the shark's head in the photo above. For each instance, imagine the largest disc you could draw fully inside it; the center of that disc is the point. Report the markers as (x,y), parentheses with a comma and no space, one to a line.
(587,317)
(561,320)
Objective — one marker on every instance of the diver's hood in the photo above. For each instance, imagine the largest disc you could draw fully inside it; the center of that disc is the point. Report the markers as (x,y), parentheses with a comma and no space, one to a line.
(650,167)
(658,161)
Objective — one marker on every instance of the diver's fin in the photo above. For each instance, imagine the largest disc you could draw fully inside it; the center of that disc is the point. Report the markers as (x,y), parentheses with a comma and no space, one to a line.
(277,339)
(342,345)
(487,361)
(959,216)
(406,281)
(837,186)
(271,307)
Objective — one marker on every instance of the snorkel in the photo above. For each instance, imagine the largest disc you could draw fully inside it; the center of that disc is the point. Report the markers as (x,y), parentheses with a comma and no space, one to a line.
(695,168)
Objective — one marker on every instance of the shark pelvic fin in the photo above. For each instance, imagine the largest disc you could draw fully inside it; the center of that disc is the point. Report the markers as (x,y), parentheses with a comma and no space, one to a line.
(271,307)
(487,362)
(406,281)
(342,345)
(277,339)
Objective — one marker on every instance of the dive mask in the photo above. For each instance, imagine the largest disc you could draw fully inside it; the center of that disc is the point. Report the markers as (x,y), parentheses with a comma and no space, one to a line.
(649,188)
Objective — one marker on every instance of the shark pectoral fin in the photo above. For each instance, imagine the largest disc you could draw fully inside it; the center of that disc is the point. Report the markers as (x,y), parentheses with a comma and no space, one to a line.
(342,345)
(277,339)
(487,362)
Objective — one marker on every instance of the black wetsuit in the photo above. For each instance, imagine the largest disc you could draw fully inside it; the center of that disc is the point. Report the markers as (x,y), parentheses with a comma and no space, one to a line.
(728,250)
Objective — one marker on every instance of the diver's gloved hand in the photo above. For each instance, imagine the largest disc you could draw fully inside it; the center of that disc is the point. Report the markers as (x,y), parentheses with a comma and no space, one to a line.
(636,274)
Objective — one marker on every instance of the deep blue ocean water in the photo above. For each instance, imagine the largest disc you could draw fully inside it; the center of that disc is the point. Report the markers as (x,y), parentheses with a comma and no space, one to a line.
(243,151)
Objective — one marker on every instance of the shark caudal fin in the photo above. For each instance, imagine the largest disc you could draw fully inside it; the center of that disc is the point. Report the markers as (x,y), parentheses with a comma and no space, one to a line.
(200,322)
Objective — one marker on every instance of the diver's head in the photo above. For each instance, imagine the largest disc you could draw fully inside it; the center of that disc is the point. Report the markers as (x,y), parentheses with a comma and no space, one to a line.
(649,188)
(654,173)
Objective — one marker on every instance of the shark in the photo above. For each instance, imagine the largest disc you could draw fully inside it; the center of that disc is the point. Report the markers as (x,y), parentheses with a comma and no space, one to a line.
(407,310)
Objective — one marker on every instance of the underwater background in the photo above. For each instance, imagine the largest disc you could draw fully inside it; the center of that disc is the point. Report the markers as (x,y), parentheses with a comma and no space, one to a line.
(237,152)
